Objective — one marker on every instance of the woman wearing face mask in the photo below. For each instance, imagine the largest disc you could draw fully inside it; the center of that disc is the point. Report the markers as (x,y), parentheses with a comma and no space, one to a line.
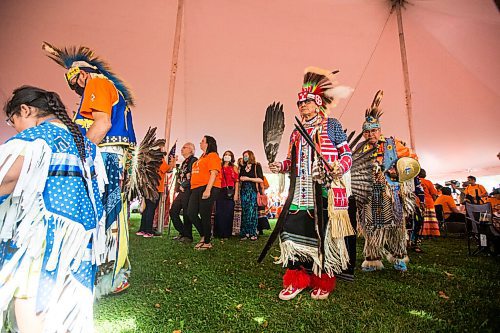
(250,177)
(205,187)
(51,217)
(224,212)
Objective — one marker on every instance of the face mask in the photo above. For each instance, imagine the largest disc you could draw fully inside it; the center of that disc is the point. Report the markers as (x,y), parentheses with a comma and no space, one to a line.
(77,88)
(245,159)
(227,158)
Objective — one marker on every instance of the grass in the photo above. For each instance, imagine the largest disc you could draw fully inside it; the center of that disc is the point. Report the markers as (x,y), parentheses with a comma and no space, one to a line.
(175,288)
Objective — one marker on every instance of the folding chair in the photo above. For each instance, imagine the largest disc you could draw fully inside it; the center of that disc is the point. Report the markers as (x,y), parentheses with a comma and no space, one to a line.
(440,217)
(479,227)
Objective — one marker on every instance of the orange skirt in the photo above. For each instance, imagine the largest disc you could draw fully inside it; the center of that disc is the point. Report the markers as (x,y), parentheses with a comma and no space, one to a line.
(430,226)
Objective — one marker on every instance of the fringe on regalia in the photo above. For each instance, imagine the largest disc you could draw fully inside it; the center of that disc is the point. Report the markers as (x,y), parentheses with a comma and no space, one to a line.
(48,254)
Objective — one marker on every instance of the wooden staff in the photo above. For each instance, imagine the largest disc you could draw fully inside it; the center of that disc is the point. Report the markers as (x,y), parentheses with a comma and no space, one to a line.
(171,88)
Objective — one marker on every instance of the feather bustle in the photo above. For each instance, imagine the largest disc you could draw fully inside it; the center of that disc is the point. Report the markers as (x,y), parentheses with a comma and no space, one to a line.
(145,162)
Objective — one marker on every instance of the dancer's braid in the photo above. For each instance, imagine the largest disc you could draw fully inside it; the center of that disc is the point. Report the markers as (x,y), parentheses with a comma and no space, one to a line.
(59,110)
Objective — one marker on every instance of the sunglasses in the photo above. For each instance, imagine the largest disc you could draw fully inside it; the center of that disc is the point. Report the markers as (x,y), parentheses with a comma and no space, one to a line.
(307,101)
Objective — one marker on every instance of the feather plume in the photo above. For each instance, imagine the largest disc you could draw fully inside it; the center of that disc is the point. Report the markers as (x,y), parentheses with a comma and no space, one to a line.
(273,127)
(341,92)
(146,159)
(65,57)
(374,112)
(361,170)
(320,82)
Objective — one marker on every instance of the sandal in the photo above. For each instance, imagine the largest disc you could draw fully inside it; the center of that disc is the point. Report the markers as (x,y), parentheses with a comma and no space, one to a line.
(198,245)
(253,238)
(205,246)
(243,238)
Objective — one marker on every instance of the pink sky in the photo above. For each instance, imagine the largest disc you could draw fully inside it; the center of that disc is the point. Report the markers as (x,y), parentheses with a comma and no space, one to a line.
(239,56)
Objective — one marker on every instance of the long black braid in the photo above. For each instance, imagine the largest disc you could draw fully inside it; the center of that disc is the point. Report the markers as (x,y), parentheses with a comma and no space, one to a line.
(47,103)
(59,110)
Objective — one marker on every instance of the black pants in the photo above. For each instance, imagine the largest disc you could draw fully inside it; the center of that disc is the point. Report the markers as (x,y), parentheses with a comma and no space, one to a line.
(148,215)
(224,215)
(350,242)
(181,201)
(417,220)
(200,210)
(455,217)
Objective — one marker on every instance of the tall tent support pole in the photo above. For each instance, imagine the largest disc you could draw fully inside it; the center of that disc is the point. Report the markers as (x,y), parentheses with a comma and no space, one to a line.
(404,62)
(170,101)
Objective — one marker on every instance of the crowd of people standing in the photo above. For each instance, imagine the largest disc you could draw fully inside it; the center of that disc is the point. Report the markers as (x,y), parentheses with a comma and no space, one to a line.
(207,191)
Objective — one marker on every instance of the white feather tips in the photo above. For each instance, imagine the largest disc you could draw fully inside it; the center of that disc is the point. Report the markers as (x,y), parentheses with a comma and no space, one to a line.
(341,92)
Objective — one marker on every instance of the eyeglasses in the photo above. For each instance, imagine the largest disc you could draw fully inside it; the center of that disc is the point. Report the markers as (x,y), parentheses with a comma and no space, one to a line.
(373,130)
(9,120)
(307,101)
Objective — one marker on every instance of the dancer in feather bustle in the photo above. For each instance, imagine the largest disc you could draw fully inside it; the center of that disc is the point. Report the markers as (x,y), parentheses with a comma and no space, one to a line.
(312,235)
(393,200)
(104,117)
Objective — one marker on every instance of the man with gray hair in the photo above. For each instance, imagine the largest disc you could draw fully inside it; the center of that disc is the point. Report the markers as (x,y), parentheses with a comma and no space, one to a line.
(183,189)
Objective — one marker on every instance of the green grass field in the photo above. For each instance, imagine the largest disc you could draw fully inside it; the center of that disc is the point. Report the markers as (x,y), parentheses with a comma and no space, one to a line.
(174,287)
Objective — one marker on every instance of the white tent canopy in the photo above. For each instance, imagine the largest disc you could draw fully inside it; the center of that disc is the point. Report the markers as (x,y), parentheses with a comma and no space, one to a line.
(237,57)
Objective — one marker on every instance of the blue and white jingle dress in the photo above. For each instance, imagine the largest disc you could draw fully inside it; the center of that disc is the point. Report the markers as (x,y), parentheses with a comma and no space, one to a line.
(51,228)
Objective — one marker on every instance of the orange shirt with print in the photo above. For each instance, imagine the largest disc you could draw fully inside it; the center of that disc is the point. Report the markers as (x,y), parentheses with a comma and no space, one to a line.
(495,204)
(471,190)
(447,202)
(429,192)
(200,172)
(100,95)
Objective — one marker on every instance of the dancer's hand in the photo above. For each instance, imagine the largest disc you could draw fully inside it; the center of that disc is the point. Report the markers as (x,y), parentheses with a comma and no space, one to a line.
(336,174)
(275,167)
(336,171)
(206,194)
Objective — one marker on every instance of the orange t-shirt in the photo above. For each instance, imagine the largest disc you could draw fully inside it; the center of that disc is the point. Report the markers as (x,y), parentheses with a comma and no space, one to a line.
(403,151)
(200,172)
(495,204)
(471,190)
(164,168)
(448,204)
(100,95)
(429,191)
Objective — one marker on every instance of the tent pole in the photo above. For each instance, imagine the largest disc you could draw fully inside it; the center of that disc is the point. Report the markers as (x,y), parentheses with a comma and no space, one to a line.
(171,92)
(404,62)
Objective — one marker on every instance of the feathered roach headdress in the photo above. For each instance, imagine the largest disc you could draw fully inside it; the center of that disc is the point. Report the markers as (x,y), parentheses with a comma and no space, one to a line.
(318,85)
(373,113)
(76,58)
